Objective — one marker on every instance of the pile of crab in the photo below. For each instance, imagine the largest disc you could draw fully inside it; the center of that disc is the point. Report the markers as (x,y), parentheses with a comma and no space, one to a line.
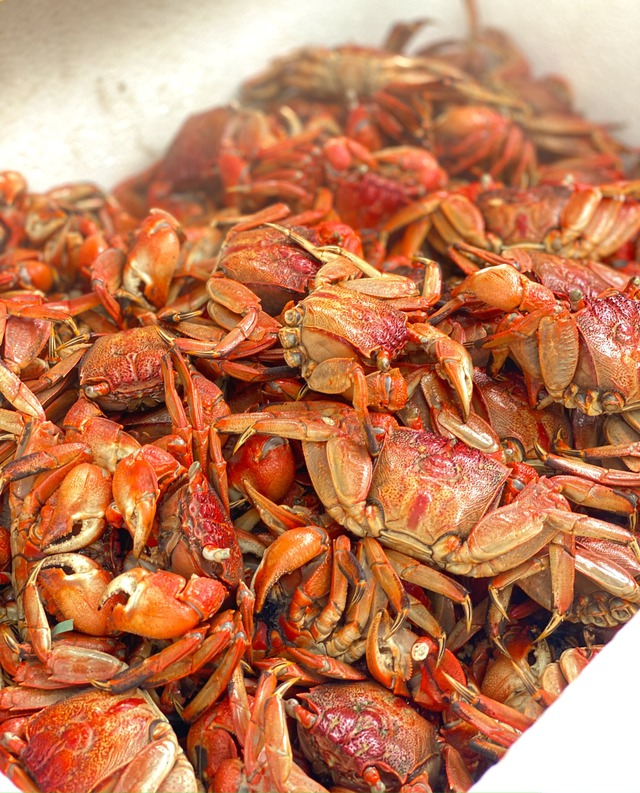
(320,438)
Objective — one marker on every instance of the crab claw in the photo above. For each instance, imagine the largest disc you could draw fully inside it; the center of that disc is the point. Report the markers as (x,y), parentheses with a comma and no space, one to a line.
(153,260)
(288,552)
(389,658)
(19,395)
(161,605)
(432,688)
(136,492)
(75,584)
(75,514)
(453,363)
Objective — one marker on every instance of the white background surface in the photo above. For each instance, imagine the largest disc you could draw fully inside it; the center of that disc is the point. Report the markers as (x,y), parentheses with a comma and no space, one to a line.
(587,742)
(96,90)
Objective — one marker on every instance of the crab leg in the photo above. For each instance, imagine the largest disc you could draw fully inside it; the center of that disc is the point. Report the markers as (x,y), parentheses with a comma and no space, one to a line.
(239,300)
(389,580)
(278,518)
(426,577)
(154,765)
(340,375)
(341,471)
(46,460)
(345,569)
(217,683)
(325,665)
(180,659)
(579,468)
(420,615)
(15,773)
(597,496)
(267,746)
(607,573)
(149,669)
(512,721)
(346,641)
(501,538)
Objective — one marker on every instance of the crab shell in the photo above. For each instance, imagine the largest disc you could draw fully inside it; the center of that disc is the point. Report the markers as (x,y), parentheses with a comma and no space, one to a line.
(122,370)
(609,358)
(271,266)
(82,742)
(335,322)
(194,525)
(360,725)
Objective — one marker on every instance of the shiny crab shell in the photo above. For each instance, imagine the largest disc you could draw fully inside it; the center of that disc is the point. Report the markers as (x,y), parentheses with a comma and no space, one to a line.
(92,739)
(122,371)
(317,330)
(365,737)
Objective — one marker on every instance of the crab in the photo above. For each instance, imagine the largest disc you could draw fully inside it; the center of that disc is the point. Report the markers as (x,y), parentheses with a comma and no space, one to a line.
(366,738)
(266,762)
(593,605)
(584,358)
(195,534)
(122,371)
(204,159)
(370,186)
(132,744)
(338,608)
(416,498)
(480,140)
(571,280)
(531,687)
(391,92)
(334,352)
(278,270)
(577,221)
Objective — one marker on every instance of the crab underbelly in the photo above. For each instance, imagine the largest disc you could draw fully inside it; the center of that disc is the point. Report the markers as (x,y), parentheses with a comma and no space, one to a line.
(321,346)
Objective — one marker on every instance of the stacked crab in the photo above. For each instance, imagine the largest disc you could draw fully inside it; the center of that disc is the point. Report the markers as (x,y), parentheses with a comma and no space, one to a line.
(320,436)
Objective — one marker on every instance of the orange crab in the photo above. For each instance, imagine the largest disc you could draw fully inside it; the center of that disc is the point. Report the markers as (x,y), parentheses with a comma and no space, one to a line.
(578,221)
(132,745)
(266,762)
(333,601)
(340,331)
(584,358)
(121,371)
(415,498)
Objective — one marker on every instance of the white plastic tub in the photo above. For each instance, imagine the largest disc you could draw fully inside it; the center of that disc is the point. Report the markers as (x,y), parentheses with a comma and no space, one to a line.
(96,90)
